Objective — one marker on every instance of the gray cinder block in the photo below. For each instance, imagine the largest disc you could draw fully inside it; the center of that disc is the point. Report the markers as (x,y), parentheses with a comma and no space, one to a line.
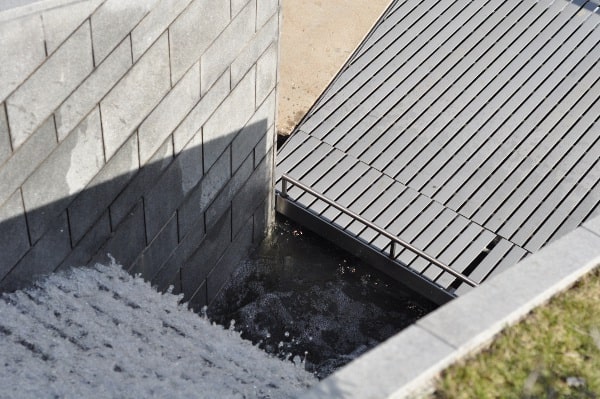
(14,172)
(21,51)
(89,245)
(13,230)
(56,78)
(60,22)
(142,183)
(227,46)
(5,147)
(43,258)
(254,191)
(227,120)
(192,123)
(113,21)
(252,52)
(246,140)
(86,96)
(66,171)
(154,24)
(189,37)
(265,9)
(169,113)
(195,270)
(128,103)
(266,73)
(103,189)
(204,193)
(158,251)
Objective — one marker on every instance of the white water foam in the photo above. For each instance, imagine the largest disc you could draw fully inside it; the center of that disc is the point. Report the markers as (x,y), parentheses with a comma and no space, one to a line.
(99,332)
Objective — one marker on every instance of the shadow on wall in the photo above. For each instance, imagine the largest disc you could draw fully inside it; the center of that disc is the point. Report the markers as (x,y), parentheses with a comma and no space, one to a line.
(179,220)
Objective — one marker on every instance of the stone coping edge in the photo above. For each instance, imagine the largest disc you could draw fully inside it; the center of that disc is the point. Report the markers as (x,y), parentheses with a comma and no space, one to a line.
(406,365)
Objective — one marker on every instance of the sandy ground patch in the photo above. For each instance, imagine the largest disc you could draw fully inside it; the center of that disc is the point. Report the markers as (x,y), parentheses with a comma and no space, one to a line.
(317,38)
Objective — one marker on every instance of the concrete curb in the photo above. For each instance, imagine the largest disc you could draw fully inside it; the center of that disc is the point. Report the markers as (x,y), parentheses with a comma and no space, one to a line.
(407,364)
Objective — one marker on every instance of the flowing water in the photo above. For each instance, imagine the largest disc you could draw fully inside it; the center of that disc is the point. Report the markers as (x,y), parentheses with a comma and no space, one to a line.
(301,298)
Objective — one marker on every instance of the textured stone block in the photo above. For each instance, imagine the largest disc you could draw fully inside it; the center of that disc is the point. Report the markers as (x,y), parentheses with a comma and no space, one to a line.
(169,113)
(192,123)
(86,96)
(266,73)
(158,251)
(5,146)
(126,242)
(230,261)
(197,267)
(89,245)
(261,218)
(14,172)
(265,9)
(154,24)
(193,31)
(188,244)
(128,103)
(66,171)
(251,195)
(228,119)
(267,35)
(227,46)
(39,95)
(198,299)
(42,259)
(204,193)
(21,51)
(102,190)
(264,146)
(142,183)
(168,193)
(61,21)
(13,230)
(250,135)
(237,5)
(113,21)
(223,201)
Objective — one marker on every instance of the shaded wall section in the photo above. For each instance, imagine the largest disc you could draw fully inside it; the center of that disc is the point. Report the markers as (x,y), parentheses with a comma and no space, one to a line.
(141,129)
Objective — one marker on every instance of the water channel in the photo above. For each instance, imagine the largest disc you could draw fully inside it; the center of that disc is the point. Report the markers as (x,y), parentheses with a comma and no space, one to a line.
(303,299)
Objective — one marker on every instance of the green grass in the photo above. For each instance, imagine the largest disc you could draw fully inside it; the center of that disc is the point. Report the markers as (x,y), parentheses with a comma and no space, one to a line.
(553,353)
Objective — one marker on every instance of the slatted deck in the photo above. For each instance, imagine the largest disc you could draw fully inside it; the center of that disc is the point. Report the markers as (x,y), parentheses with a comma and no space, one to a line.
(469,129)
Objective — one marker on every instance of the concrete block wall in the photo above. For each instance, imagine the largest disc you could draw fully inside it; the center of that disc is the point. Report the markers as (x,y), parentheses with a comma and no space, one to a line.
(142,129)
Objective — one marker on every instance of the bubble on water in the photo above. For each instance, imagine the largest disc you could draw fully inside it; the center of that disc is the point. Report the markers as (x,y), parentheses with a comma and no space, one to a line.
(287,333)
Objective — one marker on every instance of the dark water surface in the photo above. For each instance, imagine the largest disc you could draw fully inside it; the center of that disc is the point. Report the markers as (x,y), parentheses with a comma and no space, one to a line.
(300,297)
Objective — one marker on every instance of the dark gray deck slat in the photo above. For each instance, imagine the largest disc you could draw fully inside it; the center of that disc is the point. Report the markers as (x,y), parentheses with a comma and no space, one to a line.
(469,255)
(515,254)
(333,191)
(448,248)
(484,160)
(497,70)
(438,79)
(366,197)
(581,213)
(495,113)
(542,182)
(525,176)
(413,55)
(386,98)
(451,86)
(478,205)
(393,84)
(353,192)
(559,198)
(401,48)
(295,150)
(491,260)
